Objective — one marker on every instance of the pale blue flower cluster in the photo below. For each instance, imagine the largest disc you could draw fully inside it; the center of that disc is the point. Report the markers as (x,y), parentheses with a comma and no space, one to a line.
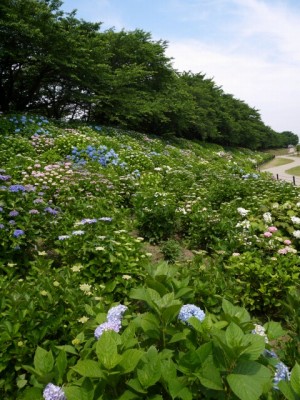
(250,176)
(113,321)
(282,373)
(101,155)
(53,392)
(190,310)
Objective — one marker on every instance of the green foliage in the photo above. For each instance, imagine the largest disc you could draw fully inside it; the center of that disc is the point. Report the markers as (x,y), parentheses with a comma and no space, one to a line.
(76,234)
(157,356)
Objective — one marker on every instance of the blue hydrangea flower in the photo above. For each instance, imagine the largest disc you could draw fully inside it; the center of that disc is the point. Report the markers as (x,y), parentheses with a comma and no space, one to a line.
(282,373)
(16,188)
(1,226)
(116,313)
(13,213)
(51,211)
(4,177)
(1,209)
(53,392)
(190,310)
(18,232)
(107,326)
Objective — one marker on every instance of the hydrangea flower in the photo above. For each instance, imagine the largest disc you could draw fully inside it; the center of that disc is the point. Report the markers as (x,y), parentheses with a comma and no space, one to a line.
(190,310)
(18,232)
(242,211)
(113,321)
(282,373)
(116,313)
(267,217)
(13,213)
(53,392)
(63,237)
(107,326)
(260,330)
(16,188)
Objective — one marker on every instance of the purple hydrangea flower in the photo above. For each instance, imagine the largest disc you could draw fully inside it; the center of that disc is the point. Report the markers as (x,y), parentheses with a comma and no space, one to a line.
(115,314)
(4,177)
(1,226)
(88,221)
(190,310)
(1,209)
(33,211)
(12,222)
(14,213)
(51,211)
(53,392)
(18,232)
(16,188)
(38,201)
(107,326)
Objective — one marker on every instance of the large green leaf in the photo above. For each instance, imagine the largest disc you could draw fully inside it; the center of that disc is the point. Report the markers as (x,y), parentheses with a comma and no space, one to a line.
(295,379)
(43,360)
(89,369)
(249,379)
(234,335)
(130,359)
(107,350)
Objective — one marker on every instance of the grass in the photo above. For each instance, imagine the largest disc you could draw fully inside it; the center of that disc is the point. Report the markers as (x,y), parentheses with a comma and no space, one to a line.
(279,152)
(276,162)
(293,171)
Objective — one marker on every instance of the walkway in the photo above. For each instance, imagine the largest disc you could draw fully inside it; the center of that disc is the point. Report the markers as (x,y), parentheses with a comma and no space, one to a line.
(279,171)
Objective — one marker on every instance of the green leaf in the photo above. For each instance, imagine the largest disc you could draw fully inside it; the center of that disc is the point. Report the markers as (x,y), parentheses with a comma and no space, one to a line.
(128,395)
(33,393)
(76,393)
(89,369)
(274,330)
(68,349)
(295,379)
(150,325)
(130,359)
(234,335)
(255,346)
(241,314)
(135,384)
(107,350)
(170,313)
(178,337)
(249,379)
(43,360)
(151,371)
(287,391)
(61,364)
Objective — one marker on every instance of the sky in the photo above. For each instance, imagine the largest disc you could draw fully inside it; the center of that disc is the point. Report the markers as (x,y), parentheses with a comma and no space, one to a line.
(250,48)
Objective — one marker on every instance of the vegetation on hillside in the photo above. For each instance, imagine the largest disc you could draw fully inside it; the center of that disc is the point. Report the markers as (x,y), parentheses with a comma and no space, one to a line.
(130,263)
(53,64)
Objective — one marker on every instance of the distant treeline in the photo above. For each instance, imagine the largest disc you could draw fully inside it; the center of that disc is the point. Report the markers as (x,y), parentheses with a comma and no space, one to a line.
(53,64)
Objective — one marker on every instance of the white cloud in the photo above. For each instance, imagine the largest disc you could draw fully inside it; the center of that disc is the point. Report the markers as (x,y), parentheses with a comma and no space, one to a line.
(260,64)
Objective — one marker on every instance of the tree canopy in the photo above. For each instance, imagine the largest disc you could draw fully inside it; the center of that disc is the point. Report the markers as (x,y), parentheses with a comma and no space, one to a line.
(55,64)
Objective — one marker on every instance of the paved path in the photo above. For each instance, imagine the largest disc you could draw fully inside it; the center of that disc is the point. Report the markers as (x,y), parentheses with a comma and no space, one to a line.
(279,171)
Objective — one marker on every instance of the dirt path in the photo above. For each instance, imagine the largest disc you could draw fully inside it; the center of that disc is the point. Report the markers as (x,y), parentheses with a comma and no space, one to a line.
(279,171)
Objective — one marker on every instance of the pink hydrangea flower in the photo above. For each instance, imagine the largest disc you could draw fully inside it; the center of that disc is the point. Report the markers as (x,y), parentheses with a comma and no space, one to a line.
(287,242)
(267,234)
(272,229)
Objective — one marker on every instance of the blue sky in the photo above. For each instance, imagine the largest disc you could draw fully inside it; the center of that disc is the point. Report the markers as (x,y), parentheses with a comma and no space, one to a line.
(251,48)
